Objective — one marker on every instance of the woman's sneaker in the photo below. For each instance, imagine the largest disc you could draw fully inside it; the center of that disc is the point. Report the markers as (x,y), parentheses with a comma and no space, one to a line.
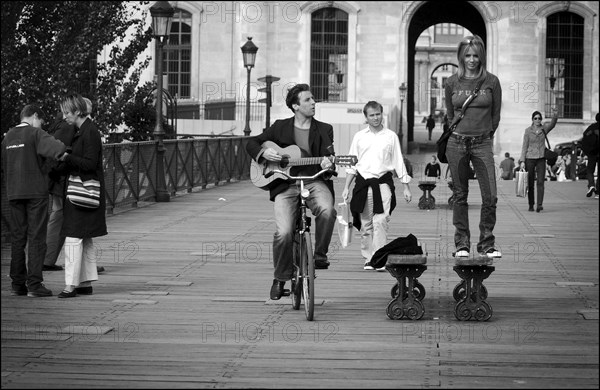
(462,252)
(368,266)
(493,253)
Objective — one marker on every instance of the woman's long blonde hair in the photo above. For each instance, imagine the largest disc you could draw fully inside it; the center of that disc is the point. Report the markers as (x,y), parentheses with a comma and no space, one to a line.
(476,43)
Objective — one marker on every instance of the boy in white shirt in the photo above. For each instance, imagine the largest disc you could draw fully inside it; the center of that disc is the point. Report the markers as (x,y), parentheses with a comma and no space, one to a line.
(373,196)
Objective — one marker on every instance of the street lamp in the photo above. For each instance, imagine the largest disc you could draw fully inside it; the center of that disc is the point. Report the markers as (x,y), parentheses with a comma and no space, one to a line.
(161,12)
(249,53)
(402,89)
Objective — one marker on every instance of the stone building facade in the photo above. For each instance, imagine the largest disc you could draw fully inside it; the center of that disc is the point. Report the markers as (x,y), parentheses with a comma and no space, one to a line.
(545,54)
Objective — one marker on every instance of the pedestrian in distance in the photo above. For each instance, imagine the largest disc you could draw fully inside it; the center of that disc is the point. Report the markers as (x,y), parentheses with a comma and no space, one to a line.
(373,197)
(23,151)
(81,225)
(430,126)
(471,143)
(445,124)
(507,166)
(315,139)
(589,145)
(532,157)
(433,168)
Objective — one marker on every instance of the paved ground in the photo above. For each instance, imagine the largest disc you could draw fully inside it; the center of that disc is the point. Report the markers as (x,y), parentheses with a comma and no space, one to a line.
(184,303)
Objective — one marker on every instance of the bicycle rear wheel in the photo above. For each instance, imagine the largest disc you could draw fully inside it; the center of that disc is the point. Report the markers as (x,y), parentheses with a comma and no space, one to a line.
(308,275)
(296,292)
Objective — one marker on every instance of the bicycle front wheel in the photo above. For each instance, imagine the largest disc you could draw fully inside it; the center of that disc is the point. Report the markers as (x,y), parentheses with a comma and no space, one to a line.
(308,275)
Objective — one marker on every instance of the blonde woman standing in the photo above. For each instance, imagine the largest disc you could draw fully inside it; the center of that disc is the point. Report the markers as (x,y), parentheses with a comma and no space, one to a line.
(81,224)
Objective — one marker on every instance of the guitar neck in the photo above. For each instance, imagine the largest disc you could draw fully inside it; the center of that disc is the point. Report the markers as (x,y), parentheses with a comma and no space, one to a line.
(305,161)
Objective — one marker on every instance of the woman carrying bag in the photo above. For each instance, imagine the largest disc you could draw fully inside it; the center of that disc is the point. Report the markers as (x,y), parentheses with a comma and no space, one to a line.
(532,156)
(81,224)
(471,143)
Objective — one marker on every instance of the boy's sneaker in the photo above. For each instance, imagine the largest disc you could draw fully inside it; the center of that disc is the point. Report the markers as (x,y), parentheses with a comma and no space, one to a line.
(18,290)
(462,252)
(368,266)
(382,269)
(39,291)
(493,253)
(591,191)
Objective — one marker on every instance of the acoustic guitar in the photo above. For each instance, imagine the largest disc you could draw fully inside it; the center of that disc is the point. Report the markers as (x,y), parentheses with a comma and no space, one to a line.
(291,157)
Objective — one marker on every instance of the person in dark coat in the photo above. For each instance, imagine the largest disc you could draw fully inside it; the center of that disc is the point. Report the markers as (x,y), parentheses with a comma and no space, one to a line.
(64,132)
(430,126)
(80,225)
(589,144)
(433,168)
(24,149)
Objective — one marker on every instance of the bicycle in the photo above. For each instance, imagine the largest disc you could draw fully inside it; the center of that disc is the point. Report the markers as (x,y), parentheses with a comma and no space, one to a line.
(303,281)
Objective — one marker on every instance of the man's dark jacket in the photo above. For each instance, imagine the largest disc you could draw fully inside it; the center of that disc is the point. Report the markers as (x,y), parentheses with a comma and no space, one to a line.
(63,132)
(320,139)
(408,245)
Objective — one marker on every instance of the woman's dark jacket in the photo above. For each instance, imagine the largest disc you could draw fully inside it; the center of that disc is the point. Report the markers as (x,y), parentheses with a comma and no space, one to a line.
(86,162)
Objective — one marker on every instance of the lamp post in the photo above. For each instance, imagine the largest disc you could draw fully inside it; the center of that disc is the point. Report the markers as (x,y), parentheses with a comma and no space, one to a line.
(402,89)
(249,53)
(161,12)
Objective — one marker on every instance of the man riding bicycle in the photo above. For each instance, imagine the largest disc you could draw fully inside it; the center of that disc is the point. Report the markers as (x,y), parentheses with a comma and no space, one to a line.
(315,139)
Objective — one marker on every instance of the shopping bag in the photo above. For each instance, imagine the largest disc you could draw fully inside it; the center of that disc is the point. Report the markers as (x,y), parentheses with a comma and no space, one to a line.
(521,183)
(84,194)
(344,224)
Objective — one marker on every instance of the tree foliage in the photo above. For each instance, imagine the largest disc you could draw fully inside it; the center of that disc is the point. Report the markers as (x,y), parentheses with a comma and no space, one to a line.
(49,48)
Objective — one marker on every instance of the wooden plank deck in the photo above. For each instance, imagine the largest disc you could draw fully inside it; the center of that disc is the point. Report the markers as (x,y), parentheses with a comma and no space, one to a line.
(183,303)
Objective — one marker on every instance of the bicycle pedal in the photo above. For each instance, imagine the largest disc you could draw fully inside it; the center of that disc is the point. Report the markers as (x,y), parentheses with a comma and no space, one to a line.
(286,293)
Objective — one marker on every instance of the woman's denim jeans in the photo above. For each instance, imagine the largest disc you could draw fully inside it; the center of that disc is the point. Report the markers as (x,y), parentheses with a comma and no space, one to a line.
(460,151)
(536,173)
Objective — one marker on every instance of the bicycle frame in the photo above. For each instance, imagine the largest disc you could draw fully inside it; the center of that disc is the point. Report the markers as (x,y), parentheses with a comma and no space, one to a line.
(303,252)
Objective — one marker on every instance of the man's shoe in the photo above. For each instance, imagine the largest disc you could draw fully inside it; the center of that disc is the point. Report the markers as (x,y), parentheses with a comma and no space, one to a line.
(67,294)
(52,268)
(277,289)
(321,264)
(368,266)
(462,252)
(530,208)
(493,253)
(590,192)
(84,290)
(539,208)
(18,291)
(100,269)
(40,291)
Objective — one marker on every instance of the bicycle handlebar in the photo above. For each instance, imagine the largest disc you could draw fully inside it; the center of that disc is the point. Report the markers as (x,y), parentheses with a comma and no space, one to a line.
(269,174)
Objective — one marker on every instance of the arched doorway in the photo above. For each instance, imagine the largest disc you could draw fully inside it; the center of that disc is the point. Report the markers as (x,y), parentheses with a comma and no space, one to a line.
(426,15)
(438,77)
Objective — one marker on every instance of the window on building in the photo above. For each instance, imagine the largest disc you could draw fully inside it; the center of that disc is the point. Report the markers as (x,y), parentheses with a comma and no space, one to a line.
(177,55)
(329,55)
(448,33)
(564,65)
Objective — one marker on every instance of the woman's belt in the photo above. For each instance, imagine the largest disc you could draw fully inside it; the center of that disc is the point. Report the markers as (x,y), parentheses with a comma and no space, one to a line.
(461,137)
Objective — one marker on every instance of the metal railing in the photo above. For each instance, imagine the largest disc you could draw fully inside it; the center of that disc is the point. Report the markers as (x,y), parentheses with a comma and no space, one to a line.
(130,169)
